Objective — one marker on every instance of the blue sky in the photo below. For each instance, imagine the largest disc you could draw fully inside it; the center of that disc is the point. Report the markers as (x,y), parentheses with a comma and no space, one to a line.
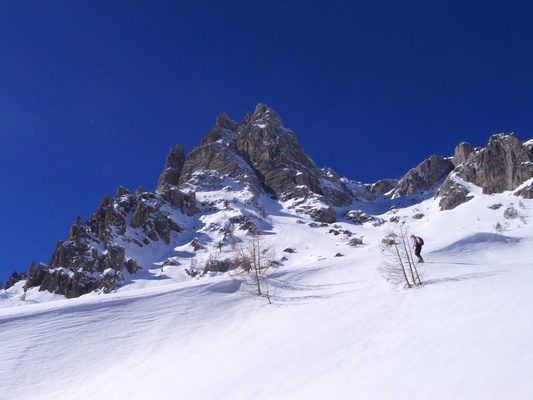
(94,94)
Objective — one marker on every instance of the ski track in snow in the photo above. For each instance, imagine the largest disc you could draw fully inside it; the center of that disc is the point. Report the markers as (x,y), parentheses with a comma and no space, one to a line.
(336,328)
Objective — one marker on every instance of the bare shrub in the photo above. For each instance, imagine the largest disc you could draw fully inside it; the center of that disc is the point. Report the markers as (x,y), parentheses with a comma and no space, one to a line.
(252,263)
(511,212)
(398,262)
(192,271)
(501,227)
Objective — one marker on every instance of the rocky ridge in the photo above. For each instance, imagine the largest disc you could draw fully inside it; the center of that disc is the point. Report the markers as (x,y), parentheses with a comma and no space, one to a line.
(504,164)
(248,160)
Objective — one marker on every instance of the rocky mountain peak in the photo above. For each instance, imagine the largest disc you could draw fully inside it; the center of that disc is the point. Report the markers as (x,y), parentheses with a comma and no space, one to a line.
(225,122)
(264,115)
(235,163)
(264,155)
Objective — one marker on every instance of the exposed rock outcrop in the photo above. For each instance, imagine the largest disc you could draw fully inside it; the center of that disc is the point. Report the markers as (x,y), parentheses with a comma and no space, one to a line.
(451,194)
(504,164)
(426,176)
(92,257)
(262,154)
(526,192)
(172,171)
(275,155)
(462,151)
(383,186)
(14,279)
(216,158)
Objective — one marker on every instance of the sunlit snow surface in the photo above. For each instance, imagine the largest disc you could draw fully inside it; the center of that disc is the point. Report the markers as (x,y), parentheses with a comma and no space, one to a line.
(336,328)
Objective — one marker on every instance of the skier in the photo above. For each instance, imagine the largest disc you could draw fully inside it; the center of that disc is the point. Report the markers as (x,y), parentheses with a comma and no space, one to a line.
(418,242)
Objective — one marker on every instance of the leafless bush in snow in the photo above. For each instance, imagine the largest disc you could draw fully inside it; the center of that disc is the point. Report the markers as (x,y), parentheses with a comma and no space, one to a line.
(252,263)
(398,262)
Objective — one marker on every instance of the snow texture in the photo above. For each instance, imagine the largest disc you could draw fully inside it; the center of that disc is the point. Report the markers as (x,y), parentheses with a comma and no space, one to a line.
(336,328)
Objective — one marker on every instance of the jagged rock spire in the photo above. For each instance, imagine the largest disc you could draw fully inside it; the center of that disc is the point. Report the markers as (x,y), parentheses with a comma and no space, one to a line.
(264,115)
(462,151)
(172,170)
(264,155)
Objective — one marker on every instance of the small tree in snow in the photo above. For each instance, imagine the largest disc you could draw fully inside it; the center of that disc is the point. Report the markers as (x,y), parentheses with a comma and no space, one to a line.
(398,261)
(253,261)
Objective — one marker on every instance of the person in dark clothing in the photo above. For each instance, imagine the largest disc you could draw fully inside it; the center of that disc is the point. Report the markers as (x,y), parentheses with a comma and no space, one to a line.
(417,244)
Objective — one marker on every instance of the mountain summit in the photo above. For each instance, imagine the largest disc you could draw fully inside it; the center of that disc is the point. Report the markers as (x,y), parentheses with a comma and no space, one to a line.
(258,152)
(236,170)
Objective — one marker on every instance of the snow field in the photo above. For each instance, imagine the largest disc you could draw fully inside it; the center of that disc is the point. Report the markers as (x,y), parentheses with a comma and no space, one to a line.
(336,328)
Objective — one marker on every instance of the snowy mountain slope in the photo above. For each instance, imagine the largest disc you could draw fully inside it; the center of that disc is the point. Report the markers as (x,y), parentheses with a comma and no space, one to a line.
(211,199)
(336,328)
(159,308)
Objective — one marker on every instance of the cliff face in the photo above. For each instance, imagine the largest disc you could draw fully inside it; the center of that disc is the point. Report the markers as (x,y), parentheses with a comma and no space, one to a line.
(425,177)
(261,153)
(95,254)
(503,165)
(242,161)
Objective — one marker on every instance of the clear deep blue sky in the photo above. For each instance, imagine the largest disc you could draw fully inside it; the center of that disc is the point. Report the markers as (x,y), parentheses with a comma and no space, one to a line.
(94,94)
